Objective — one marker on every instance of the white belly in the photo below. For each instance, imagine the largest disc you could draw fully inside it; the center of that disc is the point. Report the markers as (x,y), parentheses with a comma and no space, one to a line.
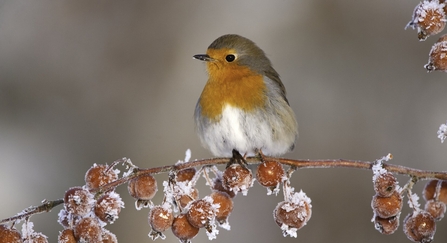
(246,133)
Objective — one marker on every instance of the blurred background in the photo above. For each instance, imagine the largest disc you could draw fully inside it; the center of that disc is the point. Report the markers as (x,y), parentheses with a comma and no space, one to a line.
(85,82)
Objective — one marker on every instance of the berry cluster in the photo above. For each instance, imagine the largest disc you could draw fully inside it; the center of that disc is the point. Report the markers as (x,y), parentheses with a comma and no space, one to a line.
(429,18)
(89,208)
(84,214)
(419,225)
(185,213)
(12,235)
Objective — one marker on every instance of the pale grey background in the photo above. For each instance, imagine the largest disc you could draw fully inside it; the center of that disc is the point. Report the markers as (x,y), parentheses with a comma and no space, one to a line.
(85,82)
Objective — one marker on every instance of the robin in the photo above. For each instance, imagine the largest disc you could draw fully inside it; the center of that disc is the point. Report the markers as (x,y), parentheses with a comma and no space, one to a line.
(243,107)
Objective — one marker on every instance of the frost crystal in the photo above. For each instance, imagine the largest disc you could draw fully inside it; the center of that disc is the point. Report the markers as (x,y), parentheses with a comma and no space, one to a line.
(225,225)
(129,166)
(378,169)
(29,235)
(212,232)
(442,132)
(286,231)
(187,155)
(274,191)
(27,229)
(299,198)
(413,201)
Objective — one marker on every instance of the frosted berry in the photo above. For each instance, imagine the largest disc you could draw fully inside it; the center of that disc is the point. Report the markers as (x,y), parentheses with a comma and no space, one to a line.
(386,207)
(108,207)
(66,236)
(225,206)
(67,220)
(185,199)
(161,218)
(270,174)
(201,213)
(218,186)
(185,174)
(108,237)
(290,215)
(182,229)
(37,238)
(419,226)
(143,187)
(237,179)
(386,226)
(435,208)
(9,235)
(385,184)
(430,191)
(88,230)
(100,175)
(437,59)
(443,37)
(78,201)
(428,18)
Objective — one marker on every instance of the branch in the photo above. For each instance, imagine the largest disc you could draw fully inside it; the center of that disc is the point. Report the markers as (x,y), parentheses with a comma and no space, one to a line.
(44,208)
(298,164)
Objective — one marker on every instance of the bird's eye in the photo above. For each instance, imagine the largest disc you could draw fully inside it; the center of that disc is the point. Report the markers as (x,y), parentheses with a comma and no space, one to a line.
(230,58)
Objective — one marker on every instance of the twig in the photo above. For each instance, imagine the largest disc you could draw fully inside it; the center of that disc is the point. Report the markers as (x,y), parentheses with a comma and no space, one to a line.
(44,208)
(298,164)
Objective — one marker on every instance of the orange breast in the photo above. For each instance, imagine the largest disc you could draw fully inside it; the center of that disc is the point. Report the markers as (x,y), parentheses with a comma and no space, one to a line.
(233,85)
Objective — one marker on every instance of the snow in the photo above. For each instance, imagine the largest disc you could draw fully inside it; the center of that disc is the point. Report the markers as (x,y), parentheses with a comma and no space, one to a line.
(187,155)
(378,169)
(442,132)
(286,231)
(299,198)
(413,201)
(212,232)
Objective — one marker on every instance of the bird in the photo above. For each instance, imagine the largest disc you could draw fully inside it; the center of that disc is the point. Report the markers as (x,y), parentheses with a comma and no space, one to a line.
(243,109)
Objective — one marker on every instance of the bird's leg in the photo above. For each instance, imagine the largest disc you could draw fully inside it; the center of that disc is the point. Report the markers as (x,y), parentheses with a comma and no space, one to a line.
(237,158)
(261,155)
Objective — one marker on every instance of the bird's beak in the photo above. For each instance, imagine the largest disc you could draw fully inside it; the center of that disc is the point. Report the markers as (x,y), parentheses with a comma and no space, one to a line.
(203,57)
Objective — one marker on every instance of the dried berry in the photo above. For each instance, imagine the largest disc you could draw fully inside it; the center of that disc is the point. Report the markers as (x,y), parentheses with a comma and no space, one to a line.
(185,174)
(108,207)
(66,236)
(270,174)
(291,216)
(161,218)
(218,186)
(386,226)
(37,238)
(419,226)
(438,57)
(385,184)
(225,206)
(108,237)
(184,199)
(100,175)
(201,212)
(430,190)
(435,208)
(67,220)
(386,207)
(182,229)
(9,235)
(78,201)
(237,178)
(429,18)
(143,187)
(88,230)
